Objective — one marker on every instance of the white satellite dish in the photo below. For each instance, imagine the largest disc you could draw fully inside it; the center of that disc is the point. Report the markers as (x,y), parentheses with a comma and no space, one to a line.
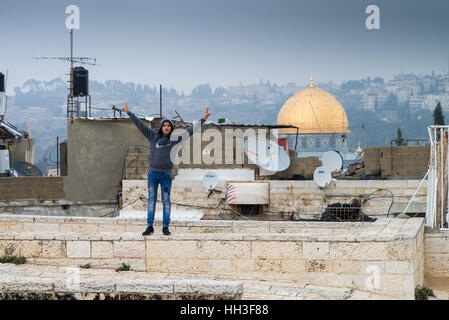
(210,180)
(267,154)
(322,176)
(332,160)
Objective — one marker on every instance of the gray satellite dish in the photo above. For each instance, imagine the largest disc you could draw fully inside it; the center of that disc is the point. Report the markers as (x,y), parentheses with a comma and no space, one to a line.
(332,160)
(267,154)
(322,177)
(26,169)
(210,180)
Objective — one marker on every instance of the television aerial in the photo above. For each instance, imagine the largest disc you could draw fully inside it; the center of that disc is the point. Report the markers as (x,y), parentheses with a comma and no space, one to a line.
(267,154)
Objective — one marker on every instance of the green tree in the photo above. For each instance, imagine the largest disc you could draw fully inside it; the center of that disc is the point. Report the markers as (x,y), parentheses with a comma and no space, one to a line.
(400,141)
(438,118)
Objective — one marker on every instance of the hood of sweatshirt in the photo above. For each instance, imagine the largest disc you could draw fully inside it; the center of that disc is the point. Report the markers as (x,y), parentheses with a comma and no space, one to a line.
(159,130)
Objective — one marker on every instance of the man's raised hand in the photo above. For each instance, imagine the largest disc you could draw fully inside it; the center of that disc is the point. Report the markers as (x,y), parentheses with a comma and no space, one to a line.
(125,107)
(206,114)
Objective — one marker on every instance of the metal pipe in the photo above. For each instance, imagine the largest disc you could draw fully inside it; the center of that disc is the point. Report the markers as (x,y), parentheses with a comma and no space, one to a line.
(57,156)
(160,100)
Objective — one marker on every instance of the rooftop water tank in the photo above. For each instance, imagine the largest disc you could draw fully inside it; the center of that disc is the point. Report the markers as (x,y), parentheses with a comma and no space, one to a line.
(80,82)
(4,162)
(2,82)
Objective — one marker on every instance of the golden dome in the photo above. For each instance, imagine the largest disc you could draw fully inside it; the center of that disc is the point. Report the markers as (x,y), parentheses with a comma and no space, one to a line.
(313,110)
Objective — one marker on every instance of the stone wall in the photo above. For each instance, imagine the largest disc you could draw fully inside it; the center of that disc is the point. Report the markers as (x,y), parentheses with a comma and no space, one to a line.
(384,257)
(397,161)
(288,196)
(34,188)
(436,259)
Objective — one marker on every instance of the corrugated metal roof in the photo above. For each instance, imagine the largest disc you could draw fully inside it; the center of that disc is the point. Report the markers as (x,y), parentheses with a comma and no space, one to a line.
(11,129)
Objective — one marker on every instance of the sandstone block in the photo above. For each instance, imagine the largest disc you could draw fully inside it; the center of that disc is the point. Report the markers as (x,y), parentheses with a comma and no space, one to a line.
(31,249)
(53,249)
(40,227)
(145,286)
(276,249)
(224,249)
(10,226)
(78,249)
(171,249)
(220,266)
(398,267)
(102,249)
(85,227)
(315,250)
(317,266)
(111,228)
(268,265)
(129,249)
(359,251)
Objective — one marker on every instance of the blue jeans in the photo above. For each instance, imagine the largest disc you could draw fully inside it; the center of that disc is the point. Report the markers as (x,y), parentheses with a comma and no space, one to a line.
(154,179)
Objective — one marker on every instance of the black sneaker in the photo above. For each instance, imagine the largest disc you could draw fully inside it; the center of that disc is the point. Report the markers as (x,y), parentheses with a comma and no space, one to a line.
(165,231)
(148,231)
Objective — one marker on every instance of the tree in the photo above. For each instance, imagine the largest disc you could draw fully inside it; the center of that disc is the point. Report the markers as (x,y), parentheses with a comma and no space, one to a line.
(400,141)
(438,118)
(202,91)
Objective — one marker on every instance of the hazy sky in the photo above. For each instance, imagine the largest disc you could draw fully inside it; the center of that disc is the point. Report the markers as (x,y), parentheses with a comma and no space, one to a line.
(184,43)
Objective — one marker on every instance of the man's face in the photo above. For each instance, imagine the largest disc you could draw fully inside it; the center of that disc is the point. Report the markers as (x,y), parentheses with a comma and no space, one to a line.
(166,128)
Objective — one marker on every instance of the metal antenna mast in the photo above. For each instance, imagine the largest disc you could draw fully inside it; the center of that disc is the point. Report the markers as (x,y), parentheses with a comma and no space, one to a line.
(78,60)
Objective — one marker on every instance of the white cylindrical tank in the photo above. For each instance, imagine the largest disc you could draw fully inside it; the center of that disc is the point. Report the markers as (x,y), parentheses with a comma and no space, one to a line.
(4,161)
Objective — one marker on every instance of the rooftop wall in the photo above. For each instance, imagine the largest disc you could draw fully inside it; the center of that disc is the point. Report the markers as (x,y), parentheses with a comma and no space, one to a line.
(384,257)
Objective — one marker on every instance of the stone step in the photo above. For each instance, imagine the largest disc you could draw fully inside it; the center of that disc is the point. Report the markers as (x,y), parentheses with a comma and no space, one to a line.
(50,282)
(44,283)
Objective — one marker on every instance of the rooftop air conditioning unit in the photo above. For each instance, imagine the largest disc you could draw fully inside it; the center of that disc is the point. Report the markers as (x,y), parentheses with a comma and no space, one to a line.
(248,193)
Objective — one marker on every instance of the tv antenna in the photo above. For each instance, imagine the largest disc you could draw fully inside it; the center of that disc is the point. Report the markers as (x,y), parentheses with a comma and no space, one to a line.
(71,101)
(3,96)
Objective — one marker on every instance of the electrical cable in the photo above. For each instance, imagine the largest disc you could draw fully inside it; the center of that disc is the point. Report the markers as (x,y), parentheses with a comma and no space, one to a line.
(369,198)
(293,215)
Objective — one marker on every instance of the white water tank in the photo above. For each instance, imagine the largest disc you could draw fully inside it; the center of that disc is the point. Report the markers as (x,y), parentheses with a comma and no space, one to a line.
(4,161)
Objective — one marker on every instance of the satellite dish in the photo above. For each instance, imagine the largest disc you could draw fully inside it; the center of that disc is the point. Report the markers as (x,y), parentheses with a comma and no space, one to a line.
(210,180)
(322,176)
(267,154)
(26,169)
(332,160)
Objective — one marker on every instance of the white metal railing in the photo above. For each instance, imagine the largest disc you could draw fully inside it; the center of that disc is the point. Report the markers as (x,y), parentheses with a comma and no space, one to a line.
(437,180)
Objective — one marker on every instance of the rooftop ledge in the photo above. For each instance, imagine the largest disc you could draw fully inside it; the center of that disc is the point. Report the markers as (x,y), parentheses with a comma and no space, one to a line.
(27,227)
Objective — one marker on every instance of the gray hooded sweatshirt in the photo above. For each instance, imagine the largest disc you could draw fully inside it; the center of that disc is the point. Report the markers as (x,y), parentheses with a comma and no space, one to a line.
(161,145)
